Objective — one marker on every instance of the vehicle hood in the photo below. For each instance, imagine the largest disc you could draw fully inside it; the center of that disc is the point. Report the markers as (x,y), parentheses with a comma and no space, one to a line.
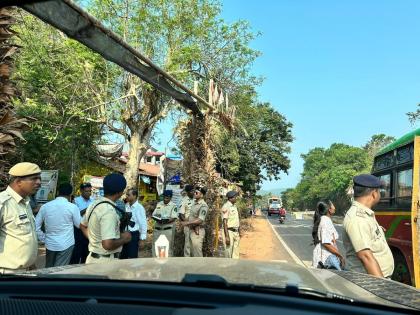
(259,273)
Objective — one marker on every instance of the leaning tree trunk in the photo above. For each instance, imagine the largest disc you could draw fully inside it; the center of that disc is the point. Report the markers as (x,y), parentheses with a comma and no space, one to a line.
(10,126)
(140,118)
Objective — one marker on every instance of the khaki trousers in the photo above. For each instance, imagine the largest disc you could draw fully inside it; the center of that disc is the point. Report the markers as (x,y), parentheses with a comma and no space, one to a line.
(197,242)
(187,242)
(232,251)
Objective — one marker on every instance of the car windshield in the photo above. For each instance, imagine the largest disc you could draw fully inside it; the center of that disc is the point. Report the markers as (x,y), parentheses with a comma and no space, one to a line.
(155,130)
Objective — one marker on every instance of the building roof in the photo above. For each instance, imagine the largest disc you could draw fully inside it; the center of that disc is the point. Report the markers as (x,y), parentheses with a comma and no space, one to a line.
(149,169)
(152,153)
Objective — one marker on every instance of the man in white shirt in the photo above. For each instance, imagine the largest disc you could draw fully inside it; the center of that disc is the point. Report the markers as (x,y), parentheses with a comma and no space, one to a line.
(81,251)
(59,216)
(139,230)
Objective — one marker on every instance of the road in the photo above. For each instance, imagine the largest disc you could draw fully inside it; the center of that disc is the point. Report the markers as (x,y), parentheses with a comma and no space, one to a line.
(297,236)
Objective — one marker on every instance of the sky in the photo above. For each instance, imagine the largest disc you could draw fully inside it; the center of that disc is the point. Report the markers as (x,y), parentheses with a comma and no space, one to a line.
(340,71)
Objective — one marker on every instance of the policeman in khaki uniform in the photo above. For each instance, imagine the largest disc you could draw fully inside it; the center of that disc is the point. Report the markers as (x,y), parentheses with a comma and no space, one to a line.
(101,223)
(18,240)
(230,217)
(165,215)
(196,221)
(364,240)
(184,214)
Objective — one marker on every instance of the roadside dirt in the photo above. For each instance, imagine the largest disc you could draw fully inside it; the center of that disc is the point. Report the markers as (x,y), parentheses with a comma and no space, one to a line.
(260,242)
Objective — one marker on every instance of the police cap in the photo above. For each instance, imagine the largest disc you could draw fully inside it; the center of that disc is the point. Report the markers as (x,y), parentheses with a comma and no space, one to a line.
(367,180)
(24,169)
(231,194)
(114,183)
(188,188)
(167,193)
(203,190)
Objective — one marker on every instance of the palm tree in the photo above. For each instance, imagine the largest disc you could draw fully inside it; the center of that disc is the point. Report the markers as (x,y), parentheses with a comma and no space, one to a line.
(10,125)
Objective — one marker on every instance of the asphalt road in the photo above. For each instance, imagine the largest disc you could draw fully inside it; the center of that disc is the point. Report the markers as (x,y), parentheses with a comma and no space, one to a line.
(297,236)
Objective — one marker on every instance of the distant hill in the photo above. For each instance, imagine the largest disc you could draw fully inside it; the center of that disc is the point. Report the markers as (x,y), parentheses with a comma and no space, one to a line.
(274,192)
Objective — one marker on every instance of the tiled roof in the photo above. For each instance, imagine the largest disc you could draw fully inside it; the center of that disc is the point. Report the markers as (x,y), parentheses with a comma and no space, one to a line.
(149,169)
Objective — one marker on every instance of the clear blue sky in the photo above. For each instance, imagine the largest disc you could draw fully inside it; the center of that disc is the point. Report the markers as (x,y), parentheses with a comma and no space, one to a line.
(340,71)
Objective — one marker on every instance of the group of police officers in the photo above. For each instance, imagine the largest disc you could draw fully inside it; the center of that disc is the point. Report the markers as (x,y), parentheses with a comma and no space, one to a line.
(364,240)
(192,215)
(101,222)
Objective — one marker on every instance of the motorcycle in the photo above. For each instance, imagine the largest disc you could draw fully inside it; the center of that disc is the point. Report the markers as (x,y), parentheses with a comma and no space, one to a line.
(282,219)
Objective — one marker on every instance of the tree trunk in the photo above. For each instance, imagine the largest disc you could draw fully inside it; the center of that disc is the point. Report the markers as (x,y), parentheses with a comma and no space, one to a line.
(199,169)
(139,143)
(10,126)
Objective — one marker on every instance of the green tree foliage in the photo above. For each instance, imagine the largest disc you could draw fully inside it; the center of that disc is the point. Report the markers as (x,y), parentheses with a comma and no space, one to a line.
(327,174)
(60,81)
(414,116)
(376,143)
(258,149)
(288,198)
(186,38)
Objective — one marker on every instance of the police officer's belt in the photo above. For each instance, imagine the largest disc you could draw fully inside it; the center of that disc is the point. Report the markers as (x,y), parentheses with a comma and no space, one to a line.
(234,229)
(163,228)
(95,255)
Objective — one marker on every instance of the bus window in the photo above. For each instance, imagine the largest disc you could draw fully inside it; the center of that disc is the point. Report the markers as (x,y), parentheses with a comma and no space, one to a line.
(404,187)
(386,186)
(405,154)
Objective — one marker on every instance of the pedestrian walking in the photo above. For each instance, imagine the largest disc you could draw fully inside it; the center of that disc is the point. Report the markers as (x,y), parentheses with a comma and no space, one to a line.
(165,215)
(101,223)
(184,213)
(59,217)
(83,201)
(325,254)
(18,241)
(196,221)
(231,234)
(364,240)
(139,230)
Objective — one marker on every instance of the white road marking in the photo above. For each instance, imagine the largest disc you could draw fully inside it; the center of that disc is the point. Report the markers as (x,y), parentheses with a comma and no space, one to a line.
(307,263)
(287,248)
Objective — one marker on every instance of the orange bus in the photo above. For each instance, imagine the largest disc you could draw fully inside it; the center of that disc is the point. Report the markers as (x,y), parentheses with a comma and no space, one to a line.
(397,165)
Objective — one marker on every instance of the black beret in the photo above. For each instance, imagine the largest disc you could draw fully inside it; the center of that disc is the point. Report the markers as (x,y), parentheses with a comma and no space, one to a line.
(367,180)
(167,193)
(188,188)
(203,190)
(231,194)
(114,183)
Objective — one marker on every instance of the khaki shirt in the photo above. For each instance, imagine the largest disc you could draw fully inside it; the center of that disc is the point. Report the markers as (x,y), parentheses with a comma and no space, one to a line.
(18,241)
(363,232)
(198,210)
(104,224)
(230,212)
(186,205)
(163,211)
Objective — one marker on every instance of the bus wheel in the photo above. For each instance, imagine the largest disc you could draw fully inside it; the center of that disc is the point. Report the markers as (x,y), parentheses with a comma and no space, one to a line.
(401,272)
